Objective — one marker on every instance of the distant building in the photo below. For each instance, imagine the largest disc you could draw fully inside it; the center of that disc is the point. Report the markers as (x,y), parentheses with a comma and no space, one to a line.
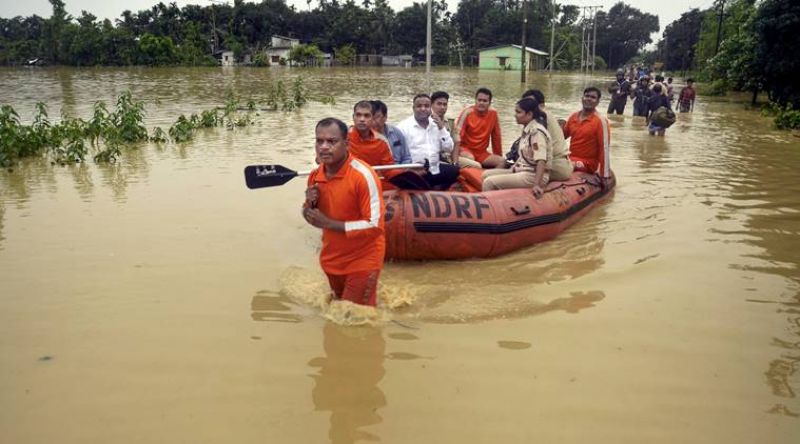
(226,58)
(508,57)
(279,48)
(368,59)
(327,60)
(398,60)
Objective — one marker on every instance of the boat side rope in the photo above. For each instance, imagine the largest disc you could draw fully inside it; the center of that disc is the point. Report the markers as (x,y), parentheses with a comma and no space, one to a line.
(575,184)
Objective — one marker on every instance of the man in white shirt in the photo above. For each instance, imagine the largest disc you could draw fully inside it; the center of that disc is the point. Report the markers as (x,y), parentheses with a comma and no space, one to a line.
(426,139)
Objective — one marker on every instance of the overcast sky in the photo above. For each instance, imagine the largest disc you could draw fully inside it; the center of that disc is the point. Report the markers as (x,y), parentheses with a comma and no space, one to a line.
(666,10)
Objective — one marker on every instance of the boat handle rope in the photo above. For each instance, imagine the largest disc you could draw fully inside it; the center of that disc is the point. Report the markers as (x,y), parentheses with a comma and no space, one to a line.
(573,184)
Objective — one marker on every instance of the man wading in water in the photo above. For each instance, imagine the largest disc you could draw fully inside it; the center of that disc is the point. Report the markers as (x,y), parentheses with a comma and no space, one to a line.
(344,199)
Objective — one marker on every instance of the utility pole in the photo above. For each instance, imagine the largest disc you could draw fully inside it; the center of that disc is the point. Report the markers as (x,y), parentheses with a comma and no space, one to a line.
(214,30)
(524,53)
(583,37)
(594,39)
(552,35)
(214,22)
(428,47)
(589,37)
(719,23)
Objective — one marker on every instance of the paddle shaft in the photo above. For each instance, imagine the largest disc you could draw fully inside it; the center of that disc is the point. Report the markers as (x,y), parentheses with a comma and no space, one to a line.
(377,168)
(261,176)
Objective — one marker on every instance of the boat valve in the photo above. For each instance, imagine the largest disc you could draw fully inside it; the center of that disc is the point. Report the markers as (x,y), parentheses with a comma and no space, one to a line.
(525,210)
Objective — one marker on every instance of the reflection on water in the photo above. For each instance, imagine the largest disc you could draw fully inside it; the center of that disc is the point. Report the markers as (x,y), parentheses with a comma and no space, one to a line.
(17,182)
(82,180)
(31,175)
(67,93)
(782,373)
(274,307)
(512,286)
(2,218)
(654,155)
(514,345)
(757,207)
(346,383)
(119,175)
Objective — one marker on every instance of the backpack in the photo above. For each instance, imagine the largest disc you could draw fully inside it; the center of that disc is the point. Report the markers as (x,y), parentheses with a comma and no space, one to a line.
(663,117)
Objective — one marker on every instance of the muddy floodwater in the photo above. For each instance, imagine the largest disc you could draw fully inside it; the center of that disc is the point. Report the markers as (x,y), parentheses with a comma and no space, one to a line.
(159,300)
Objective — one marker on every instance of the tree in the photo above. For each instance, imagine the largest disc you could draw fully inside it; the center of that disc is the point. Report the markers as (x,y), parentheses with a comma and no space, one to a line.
(680,40)
(623,32)
(20,39)
(776,27)
(119,45)
(735,62)
(194,49)
(86,42)
(305,54)
(156,51)
(410,28)
(54,27)
(345,55)
(736,13)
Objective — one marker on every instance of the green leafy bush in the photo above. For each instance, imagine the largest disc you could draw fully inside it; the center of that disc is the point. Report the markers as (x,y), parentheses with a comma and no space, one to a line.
(784,117)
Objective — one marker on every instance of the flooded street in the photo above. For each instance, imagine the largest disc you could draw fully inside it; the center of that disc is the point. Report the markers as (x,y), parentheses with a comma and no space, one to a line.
(159,300)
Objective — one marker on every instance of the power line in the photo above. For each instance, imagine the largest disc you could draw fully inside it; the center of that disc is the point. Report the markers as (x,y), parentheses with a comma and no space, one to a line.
(588,37)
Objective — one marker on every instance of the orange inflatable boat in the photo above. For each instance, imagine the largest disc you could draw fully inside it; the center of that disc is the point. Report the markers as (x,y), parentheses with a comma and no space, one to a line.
(458,225)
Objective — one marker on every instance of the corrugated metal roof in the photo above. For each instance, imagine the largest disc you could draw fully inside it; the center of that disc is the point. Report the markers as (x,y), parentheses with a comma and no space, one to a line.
(527,48)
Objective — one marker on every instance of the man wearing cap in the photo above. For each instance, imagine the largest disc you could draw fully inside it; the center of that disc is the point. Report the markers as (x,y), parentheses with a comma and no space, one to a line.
(619,90)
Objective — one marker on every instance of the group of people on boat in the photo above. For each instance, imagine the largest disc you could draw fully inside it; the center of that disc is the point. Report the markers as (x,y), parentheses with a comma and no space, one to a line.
(344,194)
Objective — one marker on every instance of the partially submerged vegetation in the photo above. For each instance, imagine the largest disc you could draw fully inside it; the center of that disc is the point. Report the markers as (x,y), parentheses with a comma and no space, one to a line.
(785,117)
(106,133)
(72,139)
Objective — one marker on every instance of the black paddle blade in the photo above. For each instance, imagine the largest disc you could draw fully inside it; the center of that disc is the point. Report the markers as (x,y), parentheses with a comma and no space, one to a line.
(261,176)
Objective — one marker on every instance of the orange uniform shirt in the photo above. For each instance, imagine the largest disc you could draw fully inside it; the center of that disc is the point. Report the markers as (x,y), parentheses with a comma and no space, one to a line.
(354,196)
(477,129)
(374,151)
(589,143)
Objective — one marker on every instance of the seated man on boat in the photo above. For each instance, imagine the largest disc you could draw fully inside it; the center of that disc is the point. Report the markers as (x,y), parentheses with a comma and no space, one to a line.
(344,199)
(477,126)
(427,139)
(590,136)
(561,168)
(439,103)
(367,144)
(532,168)
(397,142)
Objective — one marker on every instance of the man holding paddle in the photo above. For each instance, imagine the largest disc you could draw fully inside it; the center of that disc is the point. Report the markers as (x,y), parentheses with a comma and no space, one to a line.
(344,199)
